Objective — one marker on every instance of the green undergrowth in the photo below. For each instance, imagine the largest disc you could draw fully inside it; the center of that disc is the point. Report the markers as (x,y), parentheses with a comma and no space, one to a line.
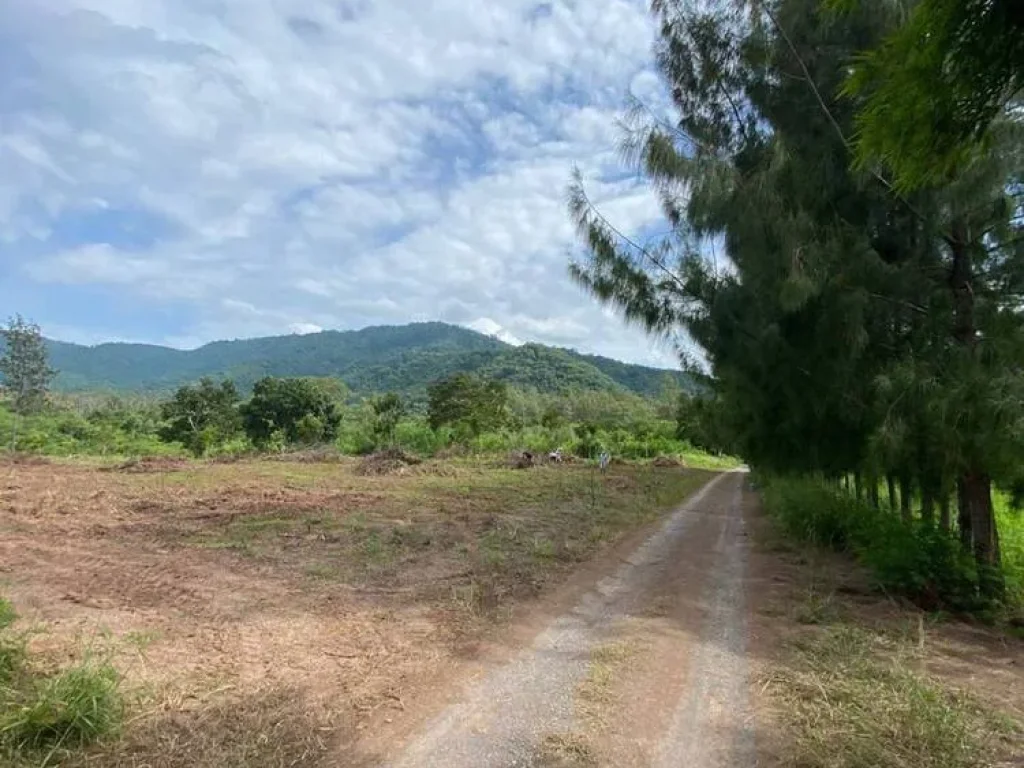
(914,559)
(61,432)
(47,715)
(1010,524)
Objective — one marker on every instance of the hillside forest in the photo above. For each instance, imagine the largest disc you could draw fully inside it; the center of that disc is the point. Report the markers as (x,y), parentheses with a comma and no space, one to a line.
(402,359)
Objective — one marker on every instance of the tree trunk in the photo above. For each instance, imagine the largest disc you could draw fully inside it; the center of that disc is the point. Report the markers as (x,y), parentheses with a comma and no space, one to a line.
(873,490)
(944,513)
(977,495)
(927,505)
(963,517)
(890,482)
(905,498)
(858,486)
(975,486)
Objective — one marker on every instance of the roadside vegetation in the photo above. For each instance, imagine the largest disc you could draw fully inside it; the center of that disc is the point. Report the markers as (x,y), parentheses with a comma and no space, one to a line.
(908,555)
(849,676)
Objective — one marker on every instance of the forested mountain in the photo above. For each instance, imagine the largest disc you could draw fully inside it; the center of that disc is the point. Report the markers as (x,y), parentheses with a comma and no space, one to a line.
(385,358)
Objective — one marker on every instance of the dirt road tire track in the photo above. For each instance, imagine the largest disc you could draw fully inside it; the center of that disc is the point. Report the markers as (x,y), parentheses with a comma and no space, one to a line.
(504,716)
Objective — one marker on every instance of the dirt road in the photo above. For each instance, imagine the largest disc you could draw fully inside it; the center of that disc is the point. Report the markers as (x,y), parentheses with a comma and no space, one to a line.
(647,669)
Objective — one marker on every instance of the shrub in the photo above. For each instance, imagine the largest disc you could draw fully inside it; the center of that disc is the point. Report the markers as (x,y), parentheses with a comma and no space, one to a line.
(282,404)
(309,430)
(201,416)
(924,563)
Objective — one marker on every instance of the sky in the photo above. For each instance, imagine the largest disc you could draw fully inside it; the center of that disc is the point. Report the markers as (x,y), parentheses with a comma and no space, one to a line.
(180,171)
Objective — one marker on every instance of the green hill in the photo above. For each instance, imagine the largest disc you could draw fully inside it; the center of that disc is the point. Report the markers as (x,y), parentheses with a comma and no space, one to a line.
(400,358)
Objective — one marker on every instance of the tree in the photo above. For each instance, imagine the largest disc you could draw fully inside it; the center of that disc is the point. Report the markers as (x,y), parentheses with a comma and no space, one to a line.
(931,90)
(289,407)
(701,421)
(24,365)
(829,336)
(202,415)
(467,401)
(387,412)
(553,417)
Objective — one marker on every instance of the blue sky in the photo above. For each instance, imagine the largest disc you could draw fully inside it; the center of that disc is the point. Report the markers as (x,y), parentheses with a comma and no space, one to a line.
(178,171)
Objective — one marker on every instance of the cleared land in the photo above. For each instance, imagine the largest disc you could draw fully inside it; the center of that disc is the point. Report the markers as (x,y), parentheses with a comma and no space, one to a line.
(279,612)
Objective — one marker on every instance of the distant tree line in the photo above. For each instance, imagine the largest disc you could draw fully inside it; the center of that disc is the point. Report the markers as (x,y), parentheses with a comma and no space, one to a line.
(465,410)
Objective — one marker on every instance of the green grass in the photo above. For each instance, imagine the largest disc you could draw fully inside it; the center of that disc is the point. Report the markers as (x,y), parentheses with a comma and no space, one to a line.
(854,698)
(1011,542)
(45,716)
(77,706)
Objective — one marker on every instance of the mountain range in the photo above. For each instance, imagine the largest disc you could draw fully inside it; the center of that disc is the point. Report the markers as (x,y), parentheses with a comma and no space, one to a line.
(402,359)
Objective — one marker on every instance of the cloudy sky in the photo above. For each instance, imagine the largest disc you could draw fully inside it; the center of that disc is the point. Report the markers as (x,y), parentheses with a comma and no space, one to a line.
(177,171)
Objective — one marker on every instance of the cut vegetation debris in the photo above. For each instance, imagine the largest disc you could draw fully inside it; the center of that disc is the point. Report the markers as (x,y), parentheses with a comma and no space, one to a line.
(386,462)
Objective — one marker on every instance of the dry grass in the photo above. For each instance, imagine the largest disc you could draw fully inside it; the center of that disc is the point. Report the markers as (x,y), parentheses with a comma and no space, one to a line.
(565,750)
(852,698)
(594,694)
(293,587)
(852,679)
(263,729)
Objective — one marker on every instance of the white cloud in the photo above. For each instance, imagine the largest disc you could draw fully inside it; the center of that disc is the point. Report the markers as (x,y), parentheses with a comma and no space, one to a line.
(324,164)
(489,327)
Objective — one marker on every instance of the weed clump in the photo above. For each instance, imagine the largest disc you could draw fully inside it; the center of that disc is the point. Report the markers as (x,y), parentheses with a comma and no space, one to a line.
(45,715)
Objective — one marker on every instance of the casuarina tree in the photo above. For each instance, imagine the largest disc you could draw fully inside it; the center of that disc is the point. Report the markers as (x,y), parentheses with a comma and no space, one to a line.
(846,328)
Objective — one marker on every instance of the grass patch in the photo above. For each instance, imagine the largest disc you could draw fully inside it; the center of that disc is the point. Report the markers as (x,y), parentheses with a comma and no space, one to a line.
(817,608)
(605,662)
(44,717)
(1010,524)
(268,729)
(594,694)
(852,698)
(565,750)
(73,708)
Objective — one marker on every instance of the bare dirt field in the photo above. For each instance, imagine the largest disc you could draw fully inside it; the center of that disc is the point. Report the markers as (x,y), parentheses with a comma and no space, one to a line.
(311,613)
(272,613)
